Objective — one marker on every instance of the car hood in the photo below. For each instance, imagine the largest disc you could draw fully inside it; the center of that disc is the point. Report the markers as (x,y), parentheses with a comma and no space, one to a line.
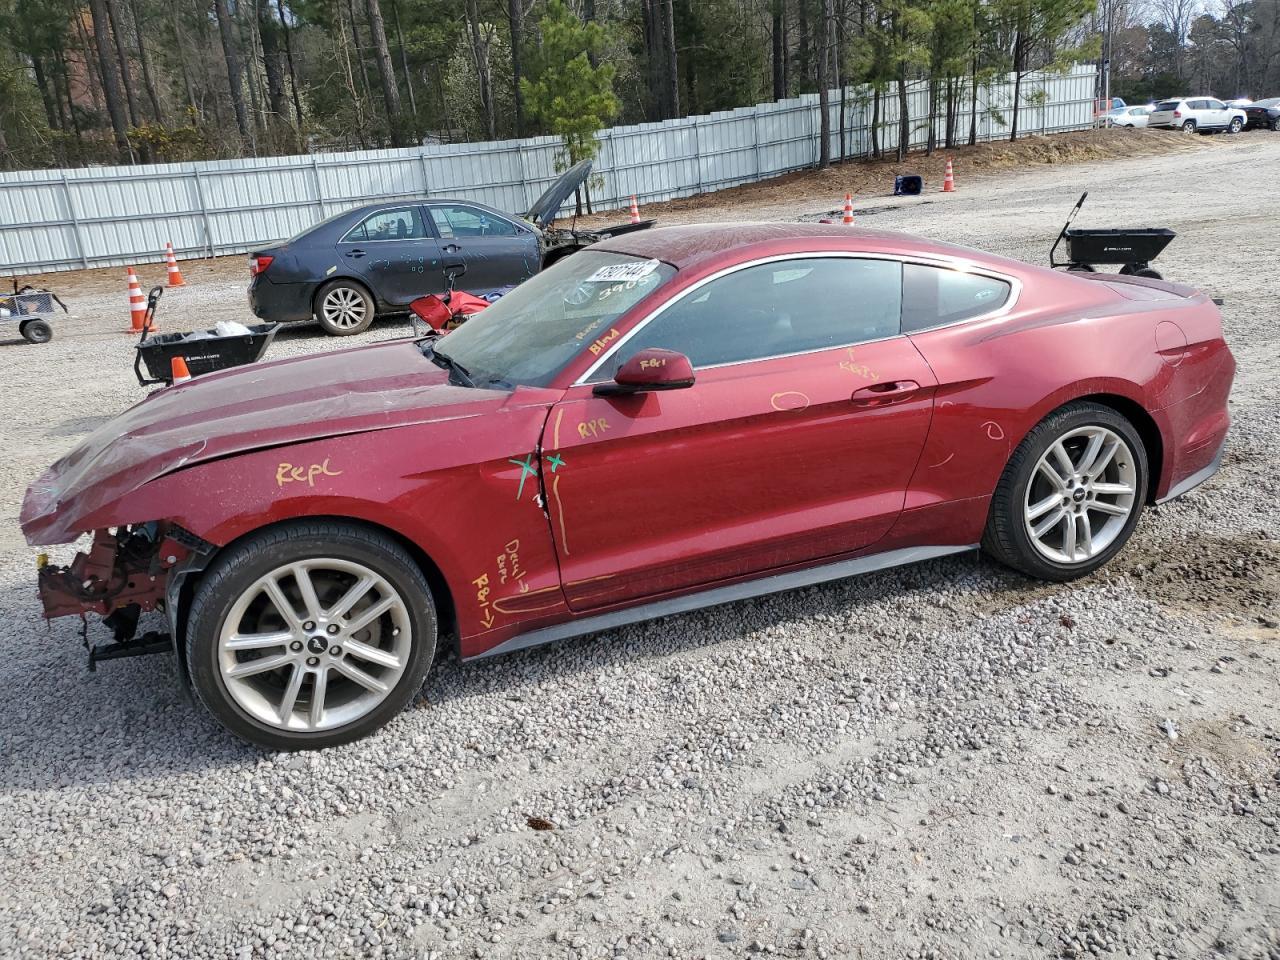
(234,411)
(544,209)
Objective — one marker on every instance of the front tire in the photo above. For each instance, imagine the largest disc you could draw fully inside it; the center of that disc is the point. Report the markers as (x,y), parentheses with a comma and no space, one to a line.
(344,308)
(310,635)
(1071,494)
(1235,125)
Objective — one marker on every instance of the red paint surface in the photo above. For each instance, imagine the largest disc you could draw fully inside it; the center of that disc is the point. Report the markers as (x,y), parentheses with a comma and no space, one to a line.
(757,467)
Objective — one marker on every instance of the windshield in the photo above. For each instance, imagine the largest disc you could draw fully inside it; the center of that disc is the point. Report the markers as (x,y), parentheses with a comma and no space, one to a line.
(530,334)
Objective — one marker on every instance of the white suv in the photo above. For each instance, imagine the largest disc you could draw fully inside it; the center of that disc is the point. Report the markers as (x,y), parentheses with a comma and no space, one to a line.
(1197,114)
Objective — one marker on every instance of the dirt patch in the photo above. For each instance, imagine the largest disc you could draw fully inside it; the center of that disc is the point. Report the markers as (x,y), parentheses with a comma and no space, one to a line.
(1234,576)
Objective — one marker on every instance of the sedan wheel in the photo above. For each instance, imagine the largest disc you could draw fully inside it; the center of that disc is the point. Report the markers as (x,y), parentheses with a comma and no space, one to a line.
(1082,493)
(310,636)
(1275,125)
(1070,495)
(344,309)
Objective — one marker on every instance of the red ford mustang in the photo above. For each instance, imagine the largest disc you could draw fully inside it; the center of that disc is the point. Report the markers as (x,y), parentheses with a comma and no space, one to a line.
(668,420)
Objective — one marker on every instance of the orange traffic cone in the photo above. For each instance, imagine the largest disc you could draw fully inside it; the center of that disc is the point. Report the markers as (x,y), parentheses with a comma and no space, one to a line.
(175,275)
(847,219)
(635,210)
(949,181)
(178,370)
(137,304)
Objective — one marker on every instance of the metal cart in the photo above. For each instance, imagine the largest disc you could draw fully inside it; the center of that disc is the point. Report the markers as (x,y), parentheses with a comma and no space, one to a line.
(1133,249)
(32,310)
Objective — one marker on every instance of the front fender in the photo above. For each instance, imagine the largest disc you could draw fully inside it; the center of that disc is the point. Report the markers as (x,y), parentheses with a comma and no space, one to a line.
(458,492)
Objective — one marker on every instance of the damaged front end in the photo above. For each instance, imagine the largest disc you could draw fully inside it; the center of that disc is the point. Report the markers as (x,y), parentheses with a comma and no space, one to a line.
(126,572)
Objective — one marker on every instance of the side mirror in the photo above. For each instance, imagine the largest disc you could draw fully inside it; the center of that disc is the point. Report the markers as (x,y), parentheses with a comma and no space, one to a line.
(651,369)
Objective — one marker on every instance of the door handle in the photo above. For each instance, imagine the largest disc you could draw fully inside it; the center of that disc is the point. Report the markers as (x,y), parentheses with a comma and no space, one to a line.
(355,254)
(451,248)
(883,394)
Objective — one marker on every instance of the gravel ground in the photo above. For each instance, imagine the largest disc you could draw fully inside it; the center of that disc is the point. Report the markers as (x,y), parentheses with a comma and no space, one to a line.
(945,760)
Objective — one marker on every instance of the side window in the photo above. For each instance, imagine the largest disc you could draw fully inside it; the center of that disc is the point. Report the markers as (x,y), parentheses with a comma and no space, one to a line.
(458,221)
(932,296)
(401,223)
(1216,105)
(1199,104)
(777,308)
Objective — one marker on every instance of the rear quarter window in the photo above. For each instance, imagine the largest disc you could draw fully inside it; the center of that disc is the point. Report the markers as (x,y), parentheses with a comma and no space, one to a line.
(934,296)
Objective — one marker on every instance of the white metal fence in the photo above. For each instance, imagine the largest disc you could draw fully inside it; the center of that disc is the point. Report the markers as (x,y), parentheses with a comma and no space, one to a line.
(105,216)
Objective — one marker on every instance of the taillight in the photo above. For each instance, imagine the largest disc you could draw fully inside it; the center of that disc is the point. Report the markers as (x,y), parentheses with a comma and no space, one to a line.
(1176,115)
(259,265)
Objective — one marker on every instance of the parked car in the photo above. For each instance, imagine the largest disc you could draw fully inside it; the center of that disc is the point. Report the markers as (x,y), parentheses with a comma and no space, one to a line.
(1197,115)
(1241,102)
(379,257)
(668,420)
(1127,117)
(1263,114)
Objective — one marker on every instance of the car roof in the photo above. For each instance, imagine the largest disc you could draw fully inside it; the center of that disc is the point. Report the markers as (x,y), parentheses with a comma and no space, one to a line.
(692,245)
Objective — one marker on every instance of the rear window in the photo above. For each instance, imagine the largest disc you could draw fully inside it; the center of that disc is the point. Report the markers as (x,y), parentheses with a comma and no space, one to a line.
(933,296)
(1169,105)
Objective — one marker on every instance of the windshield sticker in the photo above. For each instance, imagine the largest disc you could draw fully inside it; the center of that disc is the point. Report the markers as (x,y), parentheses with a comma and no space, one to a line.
(623,272)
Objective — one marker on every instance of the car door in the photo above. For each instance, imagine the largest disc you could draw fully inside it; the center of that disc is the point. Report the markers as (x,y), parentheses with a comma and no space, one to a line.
(392,250)
(795,443)
(1220,112)
(497,252)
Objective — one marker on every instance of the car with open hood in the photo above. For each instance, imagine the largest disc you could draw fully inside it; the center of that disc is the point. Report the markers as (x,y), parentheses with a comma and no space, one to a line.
(667,420)
(377,258)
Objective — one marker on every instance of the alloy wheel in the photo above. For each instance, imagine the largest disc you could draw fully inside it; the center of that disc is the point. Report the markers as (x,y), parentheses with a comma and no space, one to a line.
(314,644)
(344,308)
(1081,495)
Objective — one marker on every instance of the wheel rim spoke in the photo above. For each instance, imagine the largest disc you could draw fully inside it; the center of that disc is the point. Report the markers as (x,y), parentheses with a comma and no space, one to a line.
(1111,509)
(315,714)
(1091,452)
(1069,537)
(271,585)
(373,654)
(1065,467)
(367,617)
(1086,532)
(302,577)
(351,598)
(1040,529)
(250,668)
(258,641)
(352,672)
(1046,470)
(1112,489)
(290,697)
(1044,506)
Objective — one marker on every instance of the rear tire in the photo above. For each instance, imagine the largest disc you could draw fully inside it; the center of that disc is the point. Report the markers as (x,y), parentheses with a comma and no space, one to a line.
(310,634)
(1189,126)
(1275,125)
(1059,519)
(36,331)
(344,308)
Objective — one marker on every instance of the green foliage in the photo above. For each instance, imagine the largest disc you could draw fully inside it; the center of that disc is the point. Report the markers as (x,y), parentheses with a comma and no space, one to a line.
(171,144)
(564,91)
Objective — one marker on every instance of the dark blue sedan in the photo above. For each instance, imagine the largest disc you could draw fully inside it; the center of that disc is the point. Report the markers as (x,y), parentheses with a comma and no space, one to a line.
(377,258)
